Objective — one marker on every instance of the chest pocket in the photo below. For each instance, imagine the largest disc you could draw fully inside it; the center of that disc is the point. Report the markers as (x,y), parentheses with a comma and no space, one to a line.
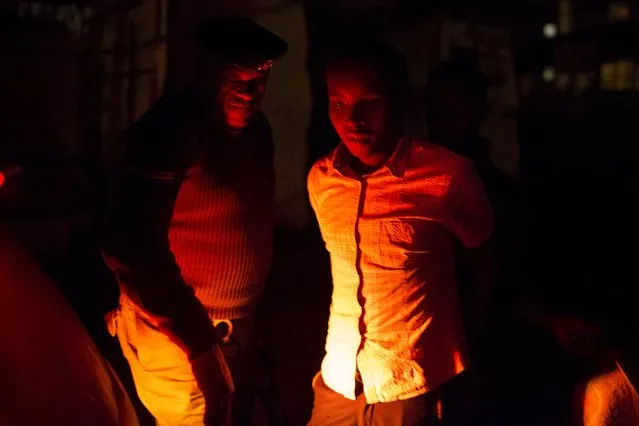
(402,242)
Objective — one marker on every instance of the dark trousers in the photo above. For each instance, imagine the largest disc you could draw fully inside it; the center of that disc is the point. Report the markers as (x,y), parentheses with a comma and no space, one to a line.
(332,409)
(240,353)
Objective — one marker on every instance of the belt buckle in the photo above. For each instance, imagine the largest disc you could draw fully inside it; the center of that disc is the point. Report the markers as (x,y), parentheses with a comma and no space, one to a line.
(224,329)
(230,346)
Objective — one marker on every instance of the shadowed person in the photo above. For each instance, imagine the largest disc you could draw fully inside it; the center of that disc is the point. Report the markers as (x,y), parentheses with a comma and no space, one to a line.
(52,372)
(192,232)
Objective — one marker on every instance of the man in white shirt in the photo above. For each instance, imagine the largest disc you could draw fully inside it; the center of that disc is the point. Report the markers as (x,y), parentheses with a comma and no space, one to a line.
(391,210)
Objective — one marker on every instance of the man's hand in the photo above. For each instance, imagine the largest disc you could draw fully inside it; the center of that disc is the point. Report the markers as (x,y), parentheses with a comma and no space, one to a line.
(215,380)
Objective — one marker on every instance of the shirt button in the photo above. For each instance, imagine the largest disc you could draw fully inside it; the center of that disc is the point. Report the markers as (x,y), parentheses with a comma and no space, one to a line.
(417,353)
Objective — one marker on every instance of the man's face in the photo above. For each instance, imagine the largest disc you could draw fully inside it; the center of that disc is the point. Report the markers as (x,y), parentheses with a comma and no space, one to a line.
(361,110)
(239,95)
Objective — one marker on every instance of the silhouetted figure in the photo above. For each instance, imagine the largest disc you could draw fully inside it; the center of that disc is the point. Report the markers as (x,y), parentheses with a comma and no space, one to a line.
(582,266)
(192,233)
(390,209)
(456,105)
(52,372)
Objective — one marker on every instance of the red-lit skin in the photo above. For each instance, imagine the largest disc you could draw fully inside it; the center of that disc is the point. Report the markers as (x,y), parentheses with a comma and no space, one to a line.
(364,114)
(2,179)
(239,95)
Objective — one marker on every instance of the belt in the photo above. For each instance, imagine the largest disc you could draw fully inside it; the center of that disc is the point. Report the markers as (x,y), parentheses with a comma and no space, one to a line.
(231,347)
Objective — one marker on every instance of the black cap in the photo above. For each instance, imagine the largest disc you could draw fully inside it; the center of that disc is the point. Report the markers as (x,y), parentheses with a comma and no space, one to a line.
(241,41)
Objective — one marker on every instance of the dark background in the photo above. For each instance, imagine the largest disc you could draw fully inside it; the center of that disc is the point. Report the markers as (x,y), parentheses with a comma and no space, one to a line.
(577,165)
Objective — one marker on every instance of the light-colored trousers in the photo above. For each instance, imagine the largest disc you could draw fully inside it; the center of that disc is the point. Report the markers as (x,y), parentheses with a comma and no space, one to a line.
(162,371)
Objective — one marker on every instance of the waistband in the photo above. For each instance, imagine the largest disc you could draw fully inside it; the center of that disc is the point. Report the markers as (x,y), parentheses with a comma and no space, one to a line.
(224,326)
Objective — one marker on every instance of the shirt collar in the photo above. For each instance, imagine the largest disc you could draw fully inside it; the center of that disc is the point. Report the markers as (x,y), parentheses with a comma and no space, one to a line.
(398,161)
(396,164)
(341,157)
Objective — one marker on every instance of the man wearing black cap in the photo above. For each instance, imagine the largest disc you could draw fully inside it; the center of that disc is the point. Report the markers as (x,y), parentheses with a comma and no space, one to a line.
(191,239)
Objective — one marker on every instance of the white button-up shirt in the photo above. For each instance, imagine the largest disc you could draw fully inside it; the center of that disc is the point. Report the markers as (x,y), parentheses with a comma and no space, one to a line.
(395,314)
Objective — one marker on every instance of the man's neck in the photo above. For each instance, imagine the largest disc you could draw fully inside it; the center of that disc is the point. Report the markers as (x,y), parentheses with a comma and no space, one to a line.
(375,162)
(362,169)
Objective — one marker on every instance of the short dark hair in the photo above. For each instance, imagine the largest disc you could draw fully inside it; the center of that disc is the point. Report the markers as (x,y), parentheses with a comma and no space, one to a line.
(463,74)
(383,56)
